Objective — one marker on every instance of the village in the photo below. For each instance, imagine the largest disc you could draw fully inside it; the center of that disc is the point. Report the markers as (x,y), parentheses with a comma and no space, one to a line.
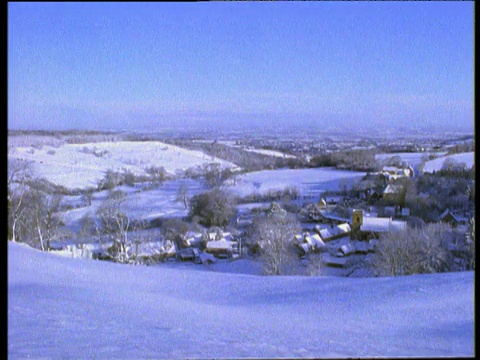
(342,229)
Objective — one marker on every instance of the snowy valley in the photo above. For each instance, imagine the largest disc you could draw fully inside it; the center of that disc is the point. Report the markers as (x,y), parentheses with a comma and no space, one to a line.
(136,202)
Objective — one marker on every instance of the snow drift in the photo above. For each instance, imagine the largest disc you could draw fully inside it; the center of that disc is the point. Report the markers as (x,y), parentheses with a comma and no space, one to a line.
(71,308)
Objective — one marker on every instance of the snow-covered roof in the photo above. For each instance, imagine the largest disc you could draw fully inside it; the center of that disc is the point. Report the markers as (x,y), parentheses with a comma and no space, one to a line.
(193,238)
(455,217)
(330,216)
(326,233)
(376,224)
(314,240)
(344,227)
(220,245)
(391,169)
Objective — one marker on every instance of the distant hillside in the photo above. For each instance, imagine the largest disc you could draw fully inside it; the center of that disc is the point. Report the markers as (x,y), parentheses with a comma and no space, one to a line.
(437,164)
(83,165)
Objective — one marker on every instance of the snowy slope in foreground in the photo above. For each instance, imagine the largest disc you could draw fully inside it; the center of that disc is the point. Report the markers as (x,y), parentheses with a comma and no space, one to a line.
(71,308)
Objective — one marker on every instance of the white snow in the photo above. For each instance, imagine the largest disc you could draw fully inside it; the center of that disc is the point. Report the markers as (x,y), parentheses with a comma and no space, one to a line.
(139,204)
(75,166)
(309,182)
(411,158)
(273,153)
(71,308)
(436,164)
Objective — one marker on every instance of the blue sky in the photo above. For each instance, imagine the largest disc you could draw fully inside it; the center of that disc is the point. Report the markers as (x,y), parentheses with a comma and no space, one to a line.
(137,66)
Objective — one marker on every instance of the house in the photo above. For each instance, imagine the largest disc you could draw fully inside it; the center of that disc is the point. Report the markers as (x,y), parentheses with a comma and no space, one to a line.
(333,200)
(372,194)
(192,238)
(393,193)
(188,254)
(389,211)
(329,218)
(392,173)
(365,227)
(154,251)
(356,247)
(454,220)
(307,242)
(222,248)
(333,232)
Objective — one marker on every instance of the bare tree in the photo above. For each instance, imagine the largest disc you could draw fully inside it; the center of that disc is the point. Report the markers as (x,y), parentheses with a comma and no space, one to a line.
(157,174)
(182,195)
(116,224)
(274,234)
(42,209)
(415,251)
(18,176)
(88,194)
(470,244)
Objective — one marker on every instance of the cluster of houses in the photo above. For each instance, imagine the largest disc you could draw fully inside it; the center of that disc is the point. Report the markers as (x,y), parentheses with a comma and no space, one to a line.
(358,233)
(218,245)
(193,246)
(362,230)
(385,187)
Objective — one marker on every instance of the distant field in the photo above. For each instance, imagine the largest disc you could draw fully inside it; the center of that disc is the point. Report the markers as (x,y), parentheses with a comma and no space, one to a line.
(436,164)
(412,159)
(83,165)
(139,204)
(309,182)
(271,153)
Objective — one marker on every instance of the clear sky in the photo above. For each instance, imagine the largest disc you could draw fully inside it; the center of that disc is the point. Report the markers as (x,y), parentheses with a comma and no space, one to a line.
(143,65)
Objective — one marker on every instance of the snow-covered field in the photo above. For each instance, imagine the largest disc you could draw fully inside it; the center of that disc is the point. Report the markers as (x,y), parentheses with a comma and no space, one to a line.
(412,159)
(77,166)
(436,164)
(71,308)
(270,153)
(309,182)
(138,204)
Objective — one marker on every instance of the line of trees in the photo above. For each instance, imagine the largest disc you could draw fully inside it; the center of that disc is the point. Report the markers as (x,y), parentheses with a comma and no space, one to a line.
(31,212)
(353,159)
(428,249)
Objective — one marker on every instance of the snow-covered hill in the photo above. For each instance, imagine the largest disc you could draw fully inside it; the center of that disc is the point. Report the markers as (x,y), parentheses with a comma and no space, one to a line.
(83,165)
(413,159)
(436,164)
(71,308)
